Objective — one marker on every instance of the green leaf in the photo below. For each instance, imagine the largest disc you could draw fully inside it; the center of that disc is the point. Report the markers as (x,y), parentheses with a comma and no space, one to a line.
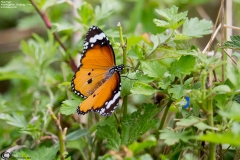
(223,138)
(170,137)
(41,153)
(137,147)
(173,19)
(14,120)
(184,65)
(70,106)
(233,74)
(127,83)
(142,88)
(197,28)
(56,27)
(110,133)
(103,11)
(138,123)
(221,89)
(177,91)
(135,52)
(234,43)
(86,13)
(194,121)
(233,113)
(76,134)
(153,69)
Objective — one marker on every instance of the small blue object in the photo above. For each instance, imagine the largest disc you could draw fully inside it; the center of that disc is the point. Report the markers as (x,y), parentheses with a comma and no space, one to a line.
(188,102)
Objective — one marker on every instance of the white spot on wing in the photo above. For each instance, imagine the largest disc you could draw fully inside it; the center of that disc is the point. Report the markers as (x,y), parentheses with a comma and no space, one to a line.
(97,37)
(116,96)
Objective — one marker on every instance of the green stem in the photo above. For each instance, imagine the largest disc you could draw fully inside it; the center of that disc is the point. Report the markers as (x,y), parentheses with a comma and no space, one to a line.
(98,148)
(124,48)
(164,117)
(212,148)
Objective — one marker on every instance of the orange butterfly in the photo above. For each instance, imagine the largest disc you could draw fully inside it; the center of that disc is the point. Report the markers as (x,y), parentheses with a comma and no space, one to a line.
(98,77)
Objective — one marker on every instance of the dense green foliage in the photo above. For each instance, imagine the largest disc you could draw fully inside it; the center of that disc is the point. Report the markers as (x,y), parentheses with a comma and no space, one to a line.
(165,64)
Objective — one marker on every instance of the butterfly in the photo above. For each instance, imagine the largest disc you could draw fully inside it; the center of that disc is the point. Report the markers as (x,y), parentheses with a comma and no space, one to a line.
(97,78)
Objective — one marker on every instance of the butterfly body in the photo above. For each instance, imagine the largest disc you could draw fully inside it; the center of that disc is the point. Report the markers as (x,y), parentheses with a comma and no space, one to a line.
(98,77)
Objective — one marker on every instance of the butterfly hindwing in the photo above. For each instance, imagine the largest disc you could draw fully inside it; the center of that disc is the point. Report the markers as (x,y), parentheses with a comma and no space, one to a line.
(105,99)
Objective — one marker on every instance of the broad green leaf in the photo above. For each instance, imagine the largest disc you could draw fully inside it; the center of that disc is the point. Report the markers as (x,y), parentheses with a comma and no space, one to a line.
(138,123)
(170,137)
(153,69)
(234,43)
(56,27)
(177,91)
(173,19)
(233,113)
(70,106)
(76,134)
(41,153)
(142,88)
(221,89)
(135,52)
(236,54)
(197,28)
(110,133)
(144,78)
(127,83)
(16,120)
(184,65)
(181,37)
(223,138)
(233,74)
(137,147)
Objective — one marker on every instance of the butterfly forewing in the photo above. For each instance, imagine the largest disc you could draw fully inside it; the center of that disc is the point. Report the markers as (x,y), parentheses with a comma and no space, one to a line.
(97,58)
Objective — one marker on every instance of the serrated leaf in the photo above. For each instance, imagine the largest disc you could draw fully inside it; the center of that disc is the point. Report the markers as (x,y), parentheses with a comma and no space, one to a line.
(234,43)
(14,120)
(177,91)
(135,52)
(170,137)
(184,65)
(70,106)
(142,88)
(139,122)
(197,28)
(76,134)
(172,17)
(110,133)
(41,153)
(153,69)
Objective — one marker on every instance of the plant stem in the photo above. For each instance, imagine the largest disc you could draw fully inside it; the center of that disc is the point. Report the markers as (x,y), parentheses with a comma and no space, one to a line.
(164,117)
(124,48)
(57,38)
(61,134)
